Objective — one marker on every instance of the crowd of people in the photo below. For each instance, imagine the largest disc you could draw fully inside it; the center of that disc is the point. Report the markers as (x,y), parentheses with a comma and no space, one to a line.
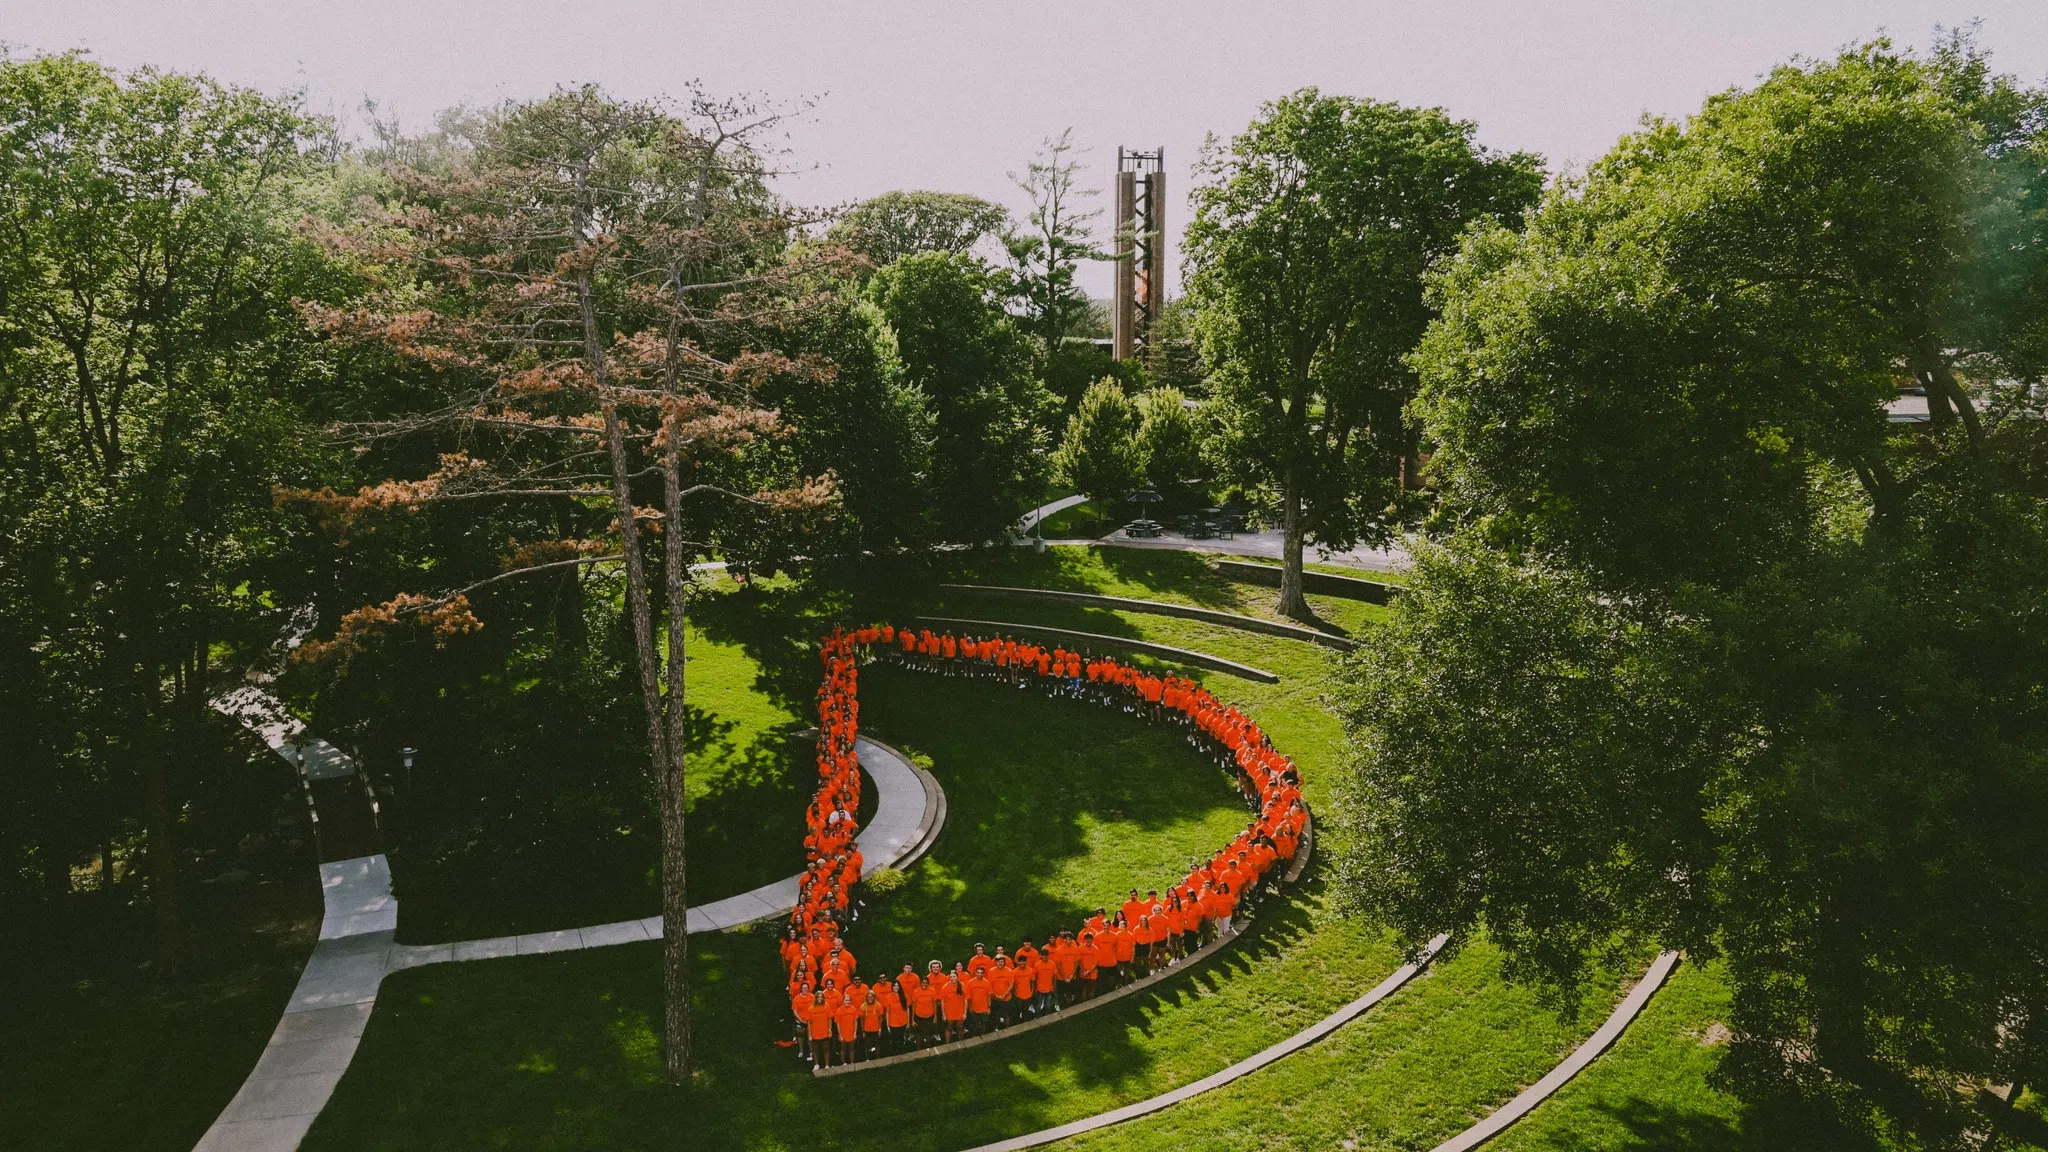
(839,1017)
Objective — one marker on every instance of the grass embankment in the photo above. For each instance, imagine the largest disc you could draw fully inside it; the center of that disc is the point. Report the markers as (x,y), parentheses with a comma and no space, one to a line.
(748,781)
(1055,807)
(99,1050)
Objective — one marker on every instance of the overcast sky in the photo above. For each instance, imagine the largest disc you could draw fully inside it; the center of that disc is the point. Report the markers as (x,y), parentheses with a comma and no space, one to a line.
(954,96)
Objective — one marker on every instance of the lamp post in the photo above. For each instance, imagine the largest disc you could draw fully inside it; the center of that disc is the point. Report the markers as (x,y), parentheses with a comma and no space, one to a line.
(407,754)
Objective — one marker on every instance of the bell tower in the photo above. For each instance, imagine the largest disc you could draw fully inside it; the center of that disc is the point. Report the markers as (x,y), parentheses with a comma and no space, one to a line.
(1140,287)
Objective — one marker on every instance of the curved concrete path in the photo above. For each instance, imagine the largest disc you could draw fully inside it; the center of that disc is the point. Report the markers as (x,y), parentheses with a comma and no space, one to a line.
(323,1022)
(1044,512)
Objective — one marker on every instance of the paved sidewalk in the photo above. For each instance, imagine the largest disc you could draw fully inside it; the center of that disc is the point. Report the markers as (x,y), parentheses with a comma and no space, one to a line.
(285,733)
(904,819)
(323,1022)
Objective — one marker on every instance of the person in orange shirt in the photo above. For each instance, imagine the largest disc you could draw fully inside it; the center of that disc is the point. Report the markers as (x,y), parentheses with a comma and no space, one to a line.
(895,1018)
(1191,917)
(818,1021)
(846,1022)
(1084,956)
(1225,904)
(1126,937)
(1025,960)
(1043,982)
(1134,908)
(979,963)
(979,994)
(924,1006)
(1144,949)
(871,1016)
(953,1004)
(1067,962)
(1105,959)
(1002,980)
(800,1010)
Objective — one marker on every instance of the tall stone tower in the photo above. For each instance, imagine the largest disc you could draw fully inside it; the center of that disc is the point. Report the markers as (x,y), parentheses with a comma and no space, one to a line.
(1140,249)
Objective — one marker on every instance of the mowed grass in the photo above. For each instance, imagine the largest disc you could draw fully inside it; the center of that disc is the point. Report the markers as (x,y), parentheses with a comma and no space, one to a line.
(1055,806)
(748,779)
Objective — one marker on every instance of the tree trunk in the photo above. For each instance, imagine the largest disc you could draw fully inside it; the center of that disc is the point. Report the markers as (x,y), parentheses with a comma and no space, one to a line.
(675,920)
(675,901)
(163,859)
(1292,602)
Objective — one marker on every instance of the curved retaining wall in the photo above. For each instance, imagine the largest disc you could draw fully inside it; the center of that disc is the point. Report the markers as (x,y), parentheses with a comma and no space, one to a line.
(1160,608)
(1164,652)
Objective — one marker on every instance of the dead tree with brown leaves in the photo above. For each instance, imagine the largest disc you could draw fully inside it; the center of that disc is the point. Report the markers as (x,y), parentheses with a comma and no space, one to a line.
(612,275)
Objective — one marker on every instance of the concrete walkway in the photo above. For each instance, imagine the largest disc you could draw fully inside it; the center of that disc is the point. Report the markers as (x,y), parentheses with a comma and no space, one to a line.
(1045,512)
(909,810)
(286,734)
(323,1022)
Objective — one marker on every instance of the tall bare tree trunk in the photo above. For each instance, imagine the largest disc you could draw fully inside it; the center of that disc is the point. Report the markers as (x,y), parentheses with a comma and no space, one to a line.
(675,901)
(662,760)
(1292,602)
(159,820)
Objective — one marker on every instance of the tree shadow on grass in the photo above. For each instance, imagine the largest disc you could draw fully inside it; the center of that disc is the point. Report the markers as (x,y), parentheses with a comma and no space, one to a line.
(1766,1127)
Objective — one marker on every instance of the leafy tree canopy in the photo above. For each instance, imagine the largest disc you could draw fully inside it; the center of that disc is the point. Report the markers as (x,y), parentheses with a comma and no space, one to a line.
(1305,261)
(1100,454)
(898,224)
(1714,656)
(974,367)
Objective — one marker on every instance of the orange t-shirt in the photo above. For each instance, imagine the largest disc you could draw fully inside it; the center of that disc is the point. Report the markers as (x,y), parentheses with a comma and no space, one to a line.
(1045,974)
(847,1017)
(1001,979)
(978,992)
(953,998)
(893,1010)
(820,1019)
(923,1000)
(1084,955)
(871,1016)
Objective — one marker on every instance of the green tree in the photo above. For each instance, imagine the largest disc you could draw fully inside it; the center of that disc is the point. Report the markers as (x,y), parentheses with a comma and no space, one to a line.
(1059,234)
(1716,657)
(151,371)
(1305,258)
(1100,454)
(1169,442)
(962,351)
(898,224)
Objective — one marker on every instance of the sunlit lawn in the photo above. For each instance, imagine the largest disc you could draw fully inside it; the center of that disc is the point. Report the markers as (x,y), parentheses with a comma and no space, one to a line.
(1055,806)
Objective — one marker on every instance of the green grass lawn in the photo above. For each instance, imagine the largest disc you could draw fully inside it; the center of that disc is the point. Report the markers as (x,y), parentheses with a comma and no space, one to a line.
(1055,806)
(749,778)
